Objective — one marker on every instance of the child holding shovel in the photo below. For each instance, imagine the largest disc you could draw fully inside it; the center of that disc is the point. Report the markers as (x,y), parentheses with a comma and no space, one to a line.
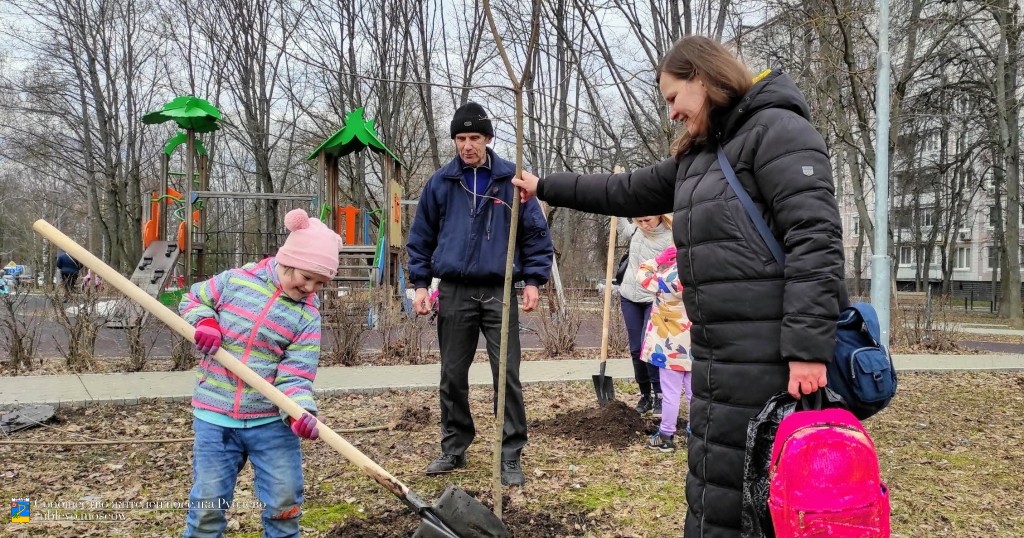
(667,342)
(267,315)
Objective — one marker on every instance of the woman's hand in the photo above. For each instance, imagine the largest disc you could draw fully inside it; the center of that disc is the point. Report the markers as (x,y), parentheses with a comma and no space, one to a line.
(527,184)
(806,377)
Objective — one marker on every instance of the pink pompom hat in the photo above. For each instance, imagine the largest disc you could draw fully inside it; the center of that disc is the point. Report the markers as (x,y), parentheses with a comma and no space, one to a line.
(311,245)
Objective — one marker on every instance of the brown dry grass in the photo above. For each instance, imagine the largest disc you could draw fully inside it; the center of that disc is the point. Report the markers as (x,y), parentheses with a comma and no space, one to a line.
(951,448)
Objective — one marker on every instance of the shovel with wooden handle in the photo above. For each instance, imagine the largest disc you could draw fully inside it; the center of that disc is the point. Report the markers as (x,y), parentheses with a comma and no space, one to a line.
(604,385)
(455,515)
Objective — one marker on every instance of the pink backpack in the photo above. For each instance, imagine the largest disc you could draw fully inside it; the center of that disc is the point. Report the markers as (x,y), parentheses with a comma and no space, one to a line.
(824,478)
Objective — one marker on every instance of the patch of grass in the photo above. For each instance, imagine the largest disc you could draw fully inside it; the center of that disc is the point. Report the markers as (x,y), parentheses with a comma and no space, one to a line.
(666,494)
(325,517)
(594,496)
(607,484)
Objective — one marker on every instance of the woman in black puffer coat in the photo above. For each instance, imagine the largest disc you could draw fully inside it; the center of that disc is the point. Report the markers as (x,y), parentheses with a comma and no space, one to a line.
(758,328)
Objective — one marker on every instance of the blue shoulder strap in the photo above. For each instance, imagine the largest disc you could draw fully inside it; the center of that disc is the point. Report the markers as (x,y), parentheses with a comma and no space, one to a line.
(748,204)
(870,318)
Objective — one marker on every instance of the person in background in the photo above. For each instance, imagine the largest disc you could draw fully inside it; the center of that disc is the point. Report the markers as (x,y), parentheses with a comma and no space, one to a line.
(69,269)
(91,282)
(667,342)
(759,326)
(461,234)
(267,315)
(648,237)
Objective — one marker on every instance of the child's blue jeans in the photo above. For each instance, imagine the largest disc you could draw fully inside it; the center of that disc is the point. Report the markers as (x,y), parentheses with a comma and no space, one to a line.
(219,453)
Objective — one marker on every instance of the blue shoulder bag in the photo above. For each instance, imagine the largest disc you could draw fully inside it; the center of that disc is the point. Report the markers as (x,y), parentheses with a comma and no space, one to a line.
(861,370)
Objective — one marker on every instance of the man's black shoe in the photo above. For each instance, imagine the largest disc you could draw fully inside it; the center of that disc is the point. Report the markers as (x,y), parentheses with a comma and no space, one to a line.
(446,463)
(512,473)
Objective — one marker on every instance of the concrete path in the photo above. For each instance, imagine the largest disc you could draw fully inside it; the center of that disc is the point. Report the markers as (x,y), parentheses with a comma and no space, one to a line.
(1005,331)
(88,389)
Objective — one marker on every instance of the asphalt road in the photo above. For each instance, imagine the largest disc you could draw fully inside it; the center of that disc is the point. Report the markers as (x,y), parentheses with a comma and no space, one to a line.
(52,338)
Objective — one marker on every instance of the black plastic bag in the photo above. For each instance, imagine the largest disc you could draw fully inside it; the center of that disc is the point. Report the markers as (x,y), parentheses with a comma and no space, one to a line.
(620,269)
(756,520)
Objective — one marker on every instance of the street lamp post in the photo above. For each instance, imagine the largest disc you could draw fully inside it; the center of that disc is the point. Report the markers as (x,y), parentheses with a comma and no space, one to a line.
(880,267)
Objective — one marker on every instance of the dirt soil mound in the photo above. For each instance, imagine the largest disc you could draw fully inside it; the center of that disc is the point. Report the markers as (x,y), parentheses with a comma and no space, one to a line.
(413,419)
(521,524)
(616,425)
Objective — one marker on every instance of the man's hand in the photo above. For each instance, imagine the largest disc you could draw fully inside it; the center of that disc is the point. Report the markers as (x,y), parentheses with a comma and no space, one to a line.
(421,303)
(527,184)
(805,377)
(531,296)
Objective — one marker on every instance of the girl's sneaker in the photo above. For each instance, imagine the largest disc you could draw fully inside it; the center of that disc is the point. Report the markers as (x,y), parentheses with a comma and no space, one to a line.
(662,442)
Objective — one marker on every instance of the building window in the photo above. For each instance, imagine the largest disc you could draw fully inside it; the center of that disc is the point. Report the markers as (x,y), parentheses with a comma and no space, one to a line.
(855,225)
(993,258)
(906,256)
(993,216)
(902,218)
(964,105)
(962,258)
(927,217)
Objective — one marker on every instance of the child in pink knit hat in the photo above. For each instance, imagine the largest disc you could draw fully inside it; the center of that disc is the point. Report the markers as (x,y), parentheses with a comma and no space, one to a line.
(306,260)
(267,315)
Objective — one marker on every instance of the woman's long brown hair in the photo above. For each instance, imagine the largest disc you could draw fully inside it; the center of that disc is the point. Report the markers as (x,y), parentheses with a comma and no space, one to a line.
(725,78)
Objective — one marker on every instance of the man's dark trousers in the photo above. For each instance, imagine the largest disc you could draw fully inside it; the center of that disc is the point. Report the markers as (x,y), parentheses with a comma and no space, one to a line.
(464,310)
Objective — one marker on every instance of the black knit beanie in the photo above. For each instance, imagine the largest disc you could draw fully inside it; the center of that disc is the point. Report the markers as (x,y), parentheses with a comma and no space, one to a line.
(471,118)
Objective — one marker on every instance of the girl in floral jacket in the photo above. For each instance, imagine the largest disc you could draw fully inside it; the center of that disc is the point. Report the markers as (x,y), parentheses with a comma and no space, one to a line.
(667,342)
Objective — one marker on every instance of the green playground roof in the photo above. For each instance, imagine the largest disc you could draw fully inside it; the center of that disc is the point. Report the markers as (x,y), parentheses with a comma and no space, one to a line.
(179,139)
(356,134)
(189,112)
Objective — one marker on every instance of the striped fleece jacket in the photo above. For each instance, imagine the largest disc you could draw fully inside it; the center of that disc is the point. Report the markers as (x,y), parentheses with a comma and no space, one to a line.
(275,336)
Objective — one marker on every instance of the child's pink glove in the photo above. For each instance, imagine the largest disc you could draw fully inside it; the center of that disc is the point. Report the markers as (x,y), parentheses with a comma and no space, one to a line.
(667,256)
(305,427)
(208,336)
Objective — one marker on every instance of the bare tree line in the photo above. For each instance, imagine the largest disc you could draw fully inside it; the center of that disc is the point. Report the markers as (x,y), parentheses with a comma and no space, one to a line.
(79,74)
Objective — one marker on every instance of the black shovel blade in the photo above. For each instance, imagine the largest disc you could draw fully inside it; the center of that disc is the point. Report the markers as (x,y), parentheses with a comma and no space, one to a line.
(458,515)
(603,386)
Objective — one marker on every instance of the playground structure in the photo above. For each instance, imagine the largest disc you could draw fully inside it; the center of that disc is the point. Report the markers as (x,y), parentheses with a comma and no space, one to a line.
(365,261)
(219,230)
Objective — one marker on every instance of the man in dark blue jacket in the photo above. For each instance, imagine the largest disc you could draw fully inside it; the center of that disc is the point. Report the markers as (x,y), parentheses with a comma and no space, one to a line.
(460,235)
(69,268)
